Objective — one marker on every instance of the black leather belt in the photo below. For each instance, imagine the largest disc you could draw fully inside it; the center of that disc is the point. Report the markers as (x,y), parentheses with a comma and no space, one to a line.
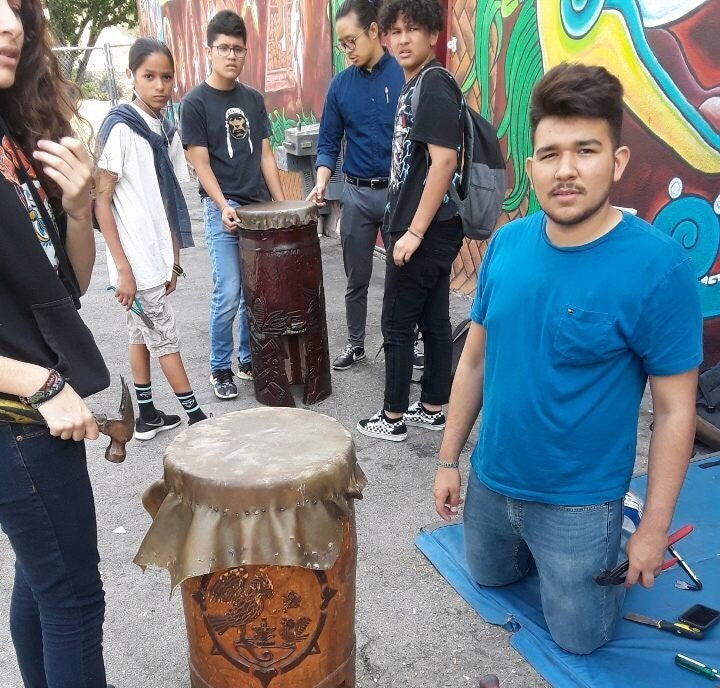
(375,183)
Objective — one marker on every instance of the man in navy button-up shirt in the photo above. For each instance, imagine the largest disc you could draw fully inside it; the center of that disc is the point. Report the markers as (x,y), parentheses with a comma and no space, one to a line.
(360,106)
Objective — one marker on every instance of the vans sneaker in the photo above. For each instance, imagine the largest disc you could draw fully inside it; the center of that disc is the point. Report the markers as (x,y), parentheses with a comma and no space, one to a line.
(245,371)
(383,429)
(418,358)
(352,354)
(222,382)
(146,430)
(417,416)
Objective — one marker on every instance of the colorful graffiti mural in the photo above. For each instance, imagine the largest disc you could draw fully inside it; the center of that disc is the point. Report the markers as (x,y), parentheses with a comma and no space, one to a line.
(289,50)
(667,55)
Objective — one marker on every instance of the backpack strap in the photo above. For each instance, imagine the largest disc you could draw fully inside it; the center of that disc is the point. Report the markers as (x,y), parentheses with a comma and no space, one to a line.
(467,142)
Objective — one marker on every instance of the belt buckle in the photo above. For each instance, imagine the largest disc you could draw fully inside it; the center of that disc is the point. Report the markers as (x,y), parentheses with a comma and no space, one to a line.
(375,181)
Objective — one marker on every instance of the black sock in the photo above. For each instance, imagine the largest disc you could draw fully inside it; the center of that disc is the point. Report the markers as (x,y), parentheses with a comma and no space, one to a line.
(147,409)
(192,408)
(391,420)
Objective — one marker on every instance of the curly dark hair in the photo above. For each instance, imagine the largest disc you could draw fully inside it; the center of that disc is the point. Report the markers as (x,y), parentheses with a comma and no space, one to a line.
(40,104)
(427,14)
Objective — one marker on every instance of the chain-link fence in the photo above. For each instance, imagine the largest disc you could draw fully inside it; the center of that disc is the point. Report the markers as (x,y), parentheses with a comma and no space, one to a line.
(99,72)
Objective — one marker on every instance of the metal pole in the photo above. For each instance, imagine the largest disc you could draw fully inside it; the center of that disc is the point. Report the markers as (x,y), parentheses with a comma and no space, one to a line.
(110,75)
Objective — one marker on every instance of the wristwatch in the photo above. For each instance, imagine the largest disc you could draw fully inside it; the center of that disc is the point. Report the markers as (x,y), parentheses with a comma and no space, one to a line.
(52,386)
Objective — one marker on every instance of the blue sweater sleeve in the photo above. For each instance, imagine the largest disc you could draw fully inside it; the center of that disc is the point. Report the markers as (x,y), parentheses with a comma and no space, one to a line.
(332,129)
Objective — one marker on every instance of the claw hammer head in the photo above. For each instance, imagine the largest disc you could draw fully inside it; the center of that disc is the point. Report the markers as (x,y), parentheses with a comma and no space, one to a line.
(120,430)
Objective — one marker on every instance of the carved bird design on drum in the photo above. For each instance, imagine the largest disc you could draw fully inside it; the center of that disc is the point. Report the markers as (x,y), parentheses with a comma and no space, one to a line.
(292,629)
(247,599)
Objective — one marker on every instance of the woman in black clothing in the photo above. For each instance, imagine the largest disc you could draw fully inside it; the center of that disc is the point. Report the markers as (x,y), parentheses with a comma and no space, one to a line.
(48,359)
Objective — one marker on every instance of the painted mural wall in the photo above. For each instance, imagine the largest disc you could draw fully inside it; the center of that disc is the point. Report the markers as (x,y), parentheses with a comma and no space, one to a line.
(289,57)
(667,55)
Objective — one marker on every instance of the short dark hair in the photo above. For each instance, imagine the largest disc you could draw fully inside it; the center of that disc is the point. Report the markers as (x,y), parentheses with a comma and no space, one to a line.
(427,14)
(142,48)
(577,90)
(365,10)
(226,23)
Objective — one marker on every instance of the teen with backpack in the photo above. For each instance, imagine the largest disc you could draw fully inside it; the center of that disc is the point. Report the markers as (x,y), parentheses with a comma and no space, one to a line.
(422,223)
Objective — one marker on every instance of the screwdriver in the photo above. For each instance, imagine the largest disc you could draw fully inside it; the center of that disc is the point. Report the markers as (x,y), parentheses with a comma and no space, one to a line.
(697,667)
(676,627)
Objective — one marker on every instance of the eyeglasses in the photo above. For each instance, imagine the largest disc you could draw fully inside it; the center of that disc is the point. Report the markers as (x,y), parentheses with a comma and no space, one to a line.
(224,50)
(349,44)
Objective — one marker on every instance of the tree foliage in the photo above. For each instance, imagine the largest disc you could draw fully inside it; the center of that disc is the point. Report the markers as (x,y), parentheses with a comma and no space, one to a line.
(73,21)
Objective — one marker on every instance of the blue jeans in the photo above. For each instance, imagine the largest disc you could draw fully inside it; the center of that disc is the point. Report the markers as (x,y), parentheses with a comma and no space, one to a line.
(569,545)
(227,297)
(48,513)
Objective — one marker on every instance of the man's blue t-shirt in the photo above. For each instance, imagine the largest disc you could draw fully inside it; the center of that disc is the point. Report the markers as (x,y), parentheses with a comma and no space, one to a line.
(571,336)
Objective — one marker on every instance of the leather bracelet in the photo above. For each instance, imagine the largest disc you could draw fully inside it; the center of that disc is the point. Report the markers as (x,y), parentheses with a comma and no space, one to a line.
(178,270)
(417,236)
(446,464)
(52,386)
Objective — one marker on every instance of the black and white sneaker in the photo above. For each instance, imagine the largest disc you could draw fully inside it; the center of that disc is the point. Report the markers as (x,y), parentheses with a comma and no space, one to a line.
(383,429)
(352,354)
(418,358)
(146,430)
(245,371)
(417,416)
(222,382)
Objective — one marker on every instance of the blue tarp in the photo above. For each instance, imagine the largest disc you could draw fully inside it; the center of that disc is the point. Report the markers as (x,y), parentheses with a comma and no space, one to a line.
(638,656)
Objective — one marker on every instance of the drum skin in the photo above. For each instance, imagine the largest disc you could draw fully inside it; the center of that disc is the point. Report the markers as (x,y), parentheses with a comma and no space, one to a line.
(285,301)
(274,626)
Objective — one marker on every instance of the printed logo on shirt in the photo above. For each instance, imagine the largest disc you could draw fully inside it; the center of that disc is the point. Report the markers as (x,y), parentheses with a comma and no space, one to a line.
(237,126)
(9,164)
(401,144)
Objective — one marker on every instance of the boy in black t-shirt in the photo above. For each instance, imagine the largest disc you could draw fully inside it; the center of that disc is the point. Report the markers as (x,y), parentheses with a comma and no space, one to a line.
(422,222)
(226,132)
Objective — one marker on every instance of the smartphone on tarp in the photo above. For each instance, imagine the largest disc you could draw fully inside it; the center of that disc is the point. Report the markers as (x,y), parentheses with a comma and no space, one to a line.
(700,616)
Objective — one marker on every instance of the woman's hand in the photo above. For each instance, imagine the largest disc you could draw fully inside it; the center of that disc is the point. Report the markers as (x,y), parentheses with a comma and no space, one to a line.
(68,417)
(69,165)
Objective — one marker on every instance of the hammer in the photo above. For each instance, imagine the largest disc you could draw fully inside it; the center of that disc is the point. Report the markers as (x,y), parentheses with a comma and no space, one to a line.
(119,429)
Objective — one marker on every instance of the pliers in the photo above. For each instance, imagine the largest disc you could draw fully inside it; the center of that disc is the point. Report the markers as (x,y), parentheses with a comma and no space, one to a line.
(138,310)
(617,575)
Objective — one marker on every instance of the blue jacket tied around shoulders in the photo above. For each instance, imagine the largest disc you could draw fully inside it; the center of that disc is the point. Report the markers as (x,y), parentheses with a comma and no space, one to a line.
(172,196)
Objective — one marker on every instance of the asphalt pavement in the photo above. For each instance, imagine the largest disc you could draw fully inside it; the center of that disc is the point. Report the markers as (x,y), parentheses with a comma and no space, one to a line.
(413,630)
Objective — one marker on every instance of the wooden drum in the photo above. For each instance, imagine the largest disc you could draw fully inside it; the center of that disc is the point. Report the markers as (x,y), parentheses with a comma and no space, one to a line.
(255,519)
(282,281)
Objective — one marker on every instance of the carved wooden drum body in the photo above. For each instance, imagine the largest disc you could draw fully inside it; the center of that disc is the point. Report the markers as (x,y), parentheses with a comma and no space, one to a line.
(255,519)
(282,282)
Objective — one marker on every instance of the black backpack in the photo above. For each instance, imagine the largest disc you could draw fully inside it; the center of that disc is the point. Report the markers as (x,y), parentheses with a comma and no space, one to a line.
(481,191)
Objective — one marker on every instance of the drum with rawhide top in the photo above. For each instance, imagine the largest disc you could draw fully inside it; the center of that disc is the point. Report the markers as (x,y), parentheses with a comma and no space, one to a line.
(282,282)
(255,519)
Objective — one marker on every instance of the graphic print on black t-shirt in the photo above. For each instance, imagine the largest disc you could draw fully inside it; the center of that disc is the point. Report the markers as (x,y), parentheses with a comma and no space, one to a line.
(401,143)
(232,125)
(237,126)
(11,158)
(437,121)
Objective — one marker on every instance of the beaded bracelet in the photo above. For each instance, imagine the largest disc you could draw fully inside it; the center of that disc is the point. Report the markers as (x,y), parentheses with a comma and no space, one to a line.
(52,386)
(445,464)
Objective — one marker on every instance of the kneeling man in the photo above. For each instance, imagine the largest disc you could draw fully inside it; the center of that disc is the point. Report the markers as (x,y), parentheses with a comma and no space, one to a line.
(576,307)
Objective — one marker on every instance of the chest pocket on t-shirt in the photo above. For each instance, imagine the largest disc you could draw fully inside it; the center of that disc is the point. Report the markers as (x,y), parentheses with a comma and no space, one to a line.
(585,337)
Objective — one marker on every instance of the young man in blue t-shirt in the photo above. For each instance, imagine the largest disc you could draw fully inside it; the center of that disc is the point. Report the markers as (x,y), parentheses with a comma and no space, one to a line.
(576,307)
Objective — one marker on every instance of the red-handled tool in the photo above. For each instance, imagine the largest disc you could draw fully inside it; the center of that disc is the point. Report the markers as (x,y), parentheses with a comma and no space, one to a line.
(617,575)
